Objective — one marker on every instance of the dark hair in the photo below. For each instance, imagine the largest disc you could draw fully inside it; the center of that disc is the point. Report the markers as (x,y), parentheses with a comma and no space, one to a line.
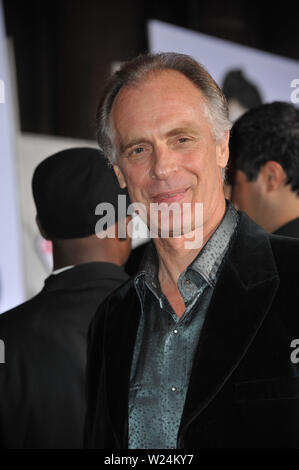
(268,132)
(68,186)
(237,86)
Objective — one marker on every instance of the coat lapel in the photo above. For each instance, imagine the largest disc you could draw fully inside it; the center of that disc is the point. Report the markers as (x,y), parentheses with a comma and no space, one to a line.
(242,297)
(120,339)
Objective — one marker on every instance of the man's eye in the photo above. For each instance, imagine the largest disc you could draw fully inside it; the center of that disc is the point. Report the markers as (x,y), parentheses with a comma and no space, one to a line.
(138,150)
(183,139)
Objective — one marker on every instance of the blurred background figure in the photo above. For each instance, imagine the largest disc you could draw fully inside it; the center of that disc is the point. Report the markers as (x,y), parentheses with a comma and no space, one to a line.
(241,94)
(42,382)
(264,167)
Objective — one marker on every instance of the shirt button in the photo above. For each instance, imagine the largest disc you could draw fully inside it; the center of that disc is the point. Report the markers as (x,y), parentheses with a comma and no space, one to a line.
(187,281)
(175,332)
(173,389)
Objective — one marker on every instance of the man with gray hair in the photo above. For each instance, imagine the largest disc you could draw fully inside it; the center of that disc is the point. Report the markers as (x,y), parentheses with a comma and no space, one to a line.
(196,350)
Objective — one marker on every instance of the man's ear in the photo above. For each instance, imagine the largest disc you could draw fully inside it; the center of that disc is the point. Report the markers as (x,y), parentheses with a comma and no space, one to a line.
(273,175)
(120,176)
(222,150)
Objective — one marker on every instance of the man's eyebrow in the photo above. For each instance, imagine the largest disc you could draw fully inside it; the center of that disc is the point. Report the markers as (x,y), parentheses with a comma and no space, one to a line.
(182,129)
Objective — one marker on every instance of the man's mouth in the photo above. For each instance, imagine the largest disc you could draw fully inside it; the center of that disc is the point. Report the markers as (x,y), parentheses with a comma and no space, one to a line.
(170,196)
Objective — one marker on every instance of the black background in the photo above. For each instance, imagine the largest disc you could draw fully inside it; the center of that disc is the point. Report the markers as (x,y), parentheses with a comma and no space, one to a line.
(64,48)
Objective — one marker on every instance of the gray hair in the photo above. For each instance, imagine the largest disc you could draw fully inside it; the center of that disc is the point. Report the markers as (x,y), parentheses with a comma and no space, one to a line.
(137,69)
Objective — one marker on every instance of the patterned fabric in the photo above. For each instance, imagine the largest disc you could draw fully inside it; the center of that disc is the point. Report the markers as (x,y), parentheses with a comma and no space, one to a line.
(165,344)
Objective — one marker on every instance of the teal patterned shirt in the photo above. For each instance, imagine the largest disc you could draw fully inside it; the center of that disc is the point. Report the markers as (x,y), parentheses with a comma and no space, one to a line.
(165,344)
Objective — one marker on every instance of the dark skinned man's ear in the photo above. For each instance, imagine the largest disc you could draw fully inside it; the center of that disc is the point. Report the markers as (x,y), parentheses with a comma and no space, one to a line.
(40,228)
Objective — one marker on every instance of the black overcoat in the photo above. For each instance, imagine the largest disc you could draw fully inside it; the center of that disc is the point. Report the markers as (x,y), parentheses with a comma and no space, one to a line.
(244,387)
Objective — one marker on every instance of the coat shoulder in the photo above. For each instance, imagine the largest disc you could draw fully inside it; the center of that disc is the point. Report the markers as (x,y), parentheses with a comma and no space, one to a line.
(286,254)
(22,315)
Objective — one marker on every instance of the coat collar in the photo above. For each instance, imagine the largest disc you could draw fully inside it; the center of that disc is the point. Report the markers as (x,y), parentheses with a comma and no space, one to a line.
(291,229)
(83,275)
(243,295)
(119,342)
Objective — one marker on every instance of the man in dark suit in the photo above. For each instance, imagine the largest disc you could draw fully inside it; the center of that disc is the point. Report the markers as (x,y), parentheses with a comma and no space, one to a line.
(264,160)
(42,381)
(197,350)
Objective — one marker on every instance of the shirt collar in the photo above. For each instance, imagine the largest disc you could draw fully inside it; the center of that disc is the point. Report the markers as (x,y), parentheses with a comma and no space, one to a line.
(208,261)
(58,271)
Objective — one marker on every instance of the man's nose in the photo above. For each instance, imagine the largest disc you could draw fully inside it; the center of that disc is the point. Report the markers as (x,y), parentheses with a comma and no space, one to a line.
(164,163)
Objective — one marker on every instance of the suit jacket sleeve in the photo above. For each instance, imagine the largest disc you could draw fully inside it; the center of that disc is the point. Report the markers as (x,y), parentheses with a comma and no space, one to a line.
(94,372)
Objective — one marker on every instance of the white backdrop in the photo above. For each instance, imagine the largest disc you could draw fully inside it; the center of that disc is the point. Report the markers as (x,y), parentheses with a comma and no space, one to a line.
(31,150)
(271,73)
(11,277)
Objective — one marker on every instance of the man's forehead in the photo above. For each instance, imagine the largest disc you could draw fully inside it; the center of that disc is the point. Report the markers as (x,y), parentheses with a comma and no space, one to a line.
(156,98)
(162,127)
(161,82)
